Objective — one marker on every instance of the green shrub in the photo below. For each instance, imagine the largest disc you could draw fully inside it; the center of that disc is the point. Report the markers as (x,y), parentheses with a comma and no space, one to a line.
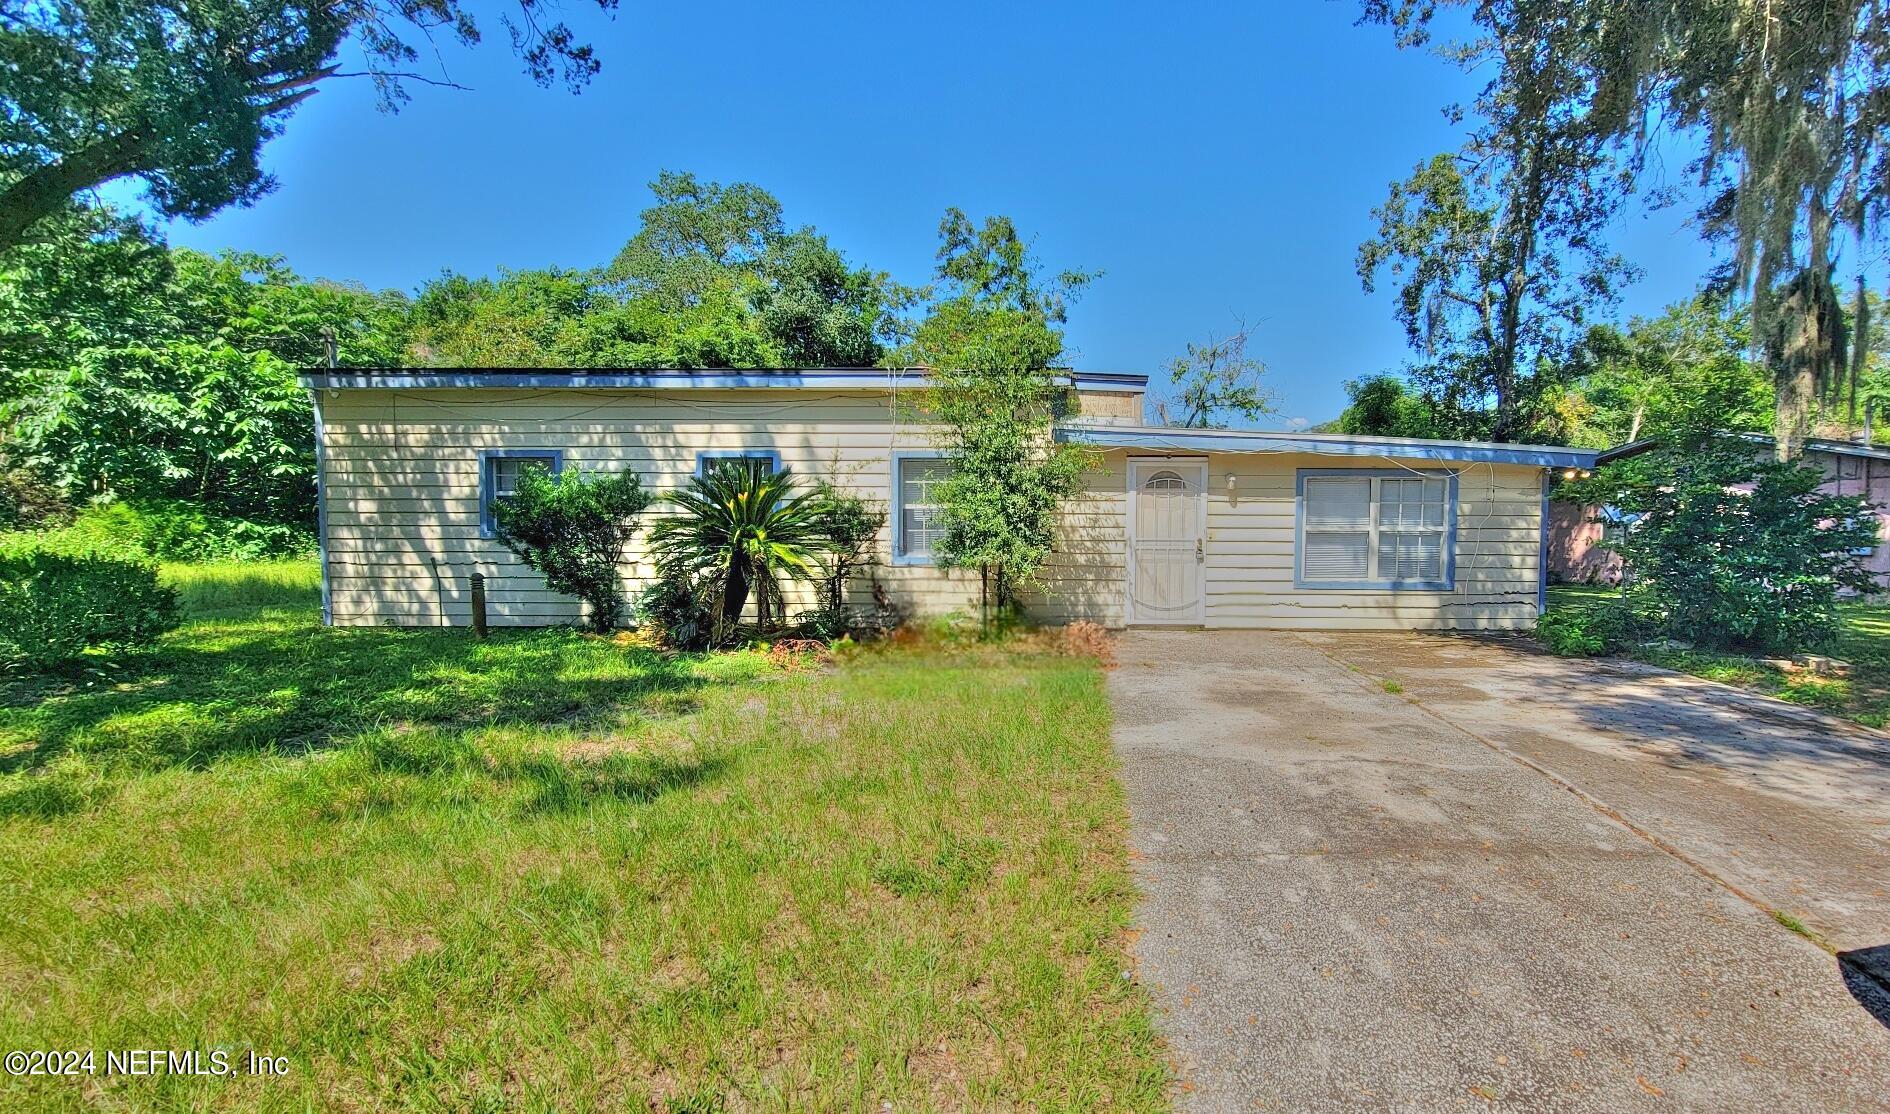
(1571,633)
(170,531)
(682,611)
(744,527)
(54,607)
(573,528)
(1731,550)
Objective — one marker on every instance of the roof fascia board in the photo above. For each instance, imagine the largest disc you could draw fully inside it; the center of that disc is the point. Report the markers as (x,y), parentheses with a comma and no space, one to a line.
(1237,442)
(656,380)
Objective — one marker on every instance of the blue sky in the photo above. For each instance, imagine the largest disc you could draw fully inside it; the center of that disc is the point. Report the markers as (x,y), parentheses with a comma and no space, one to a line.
(1214,162)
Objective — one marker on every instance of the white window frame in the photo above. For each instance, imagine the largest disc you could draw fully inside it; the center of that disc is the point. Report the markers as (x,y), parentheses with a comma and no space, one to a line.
(1378,583)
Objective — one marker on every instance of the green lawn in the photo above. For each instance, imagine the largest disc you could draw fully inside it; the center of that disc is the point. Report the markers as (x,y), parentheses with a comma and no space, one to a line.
(1864,642)
(553,872)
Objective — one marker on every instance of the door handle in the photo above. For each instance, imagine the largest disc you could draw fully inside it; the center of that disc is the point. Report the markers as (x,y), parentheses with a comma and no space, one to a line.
(1200,554)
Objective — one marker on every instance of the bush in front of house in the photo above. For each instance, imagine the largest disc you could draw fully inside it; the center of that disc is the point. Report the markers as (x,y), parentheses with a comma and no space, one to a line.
(1572,633)
(572,528)
(54,607)
(739,530)
(1733,551)
(683,611)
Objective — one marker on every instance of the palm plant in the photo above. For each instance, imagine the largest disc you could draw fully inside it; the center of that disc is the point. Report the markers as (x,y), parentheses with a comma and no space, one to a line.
(744,528)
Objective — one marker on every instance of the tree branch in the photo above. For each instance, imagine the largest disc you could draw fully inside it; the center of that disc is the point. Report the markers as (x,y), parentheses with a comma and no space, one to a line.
(47,189)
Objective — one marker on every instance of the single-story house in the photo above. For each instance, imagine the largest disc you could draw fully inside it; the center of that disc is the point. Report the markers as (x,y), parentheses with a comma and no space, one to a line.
(1171,526)
(1854,468)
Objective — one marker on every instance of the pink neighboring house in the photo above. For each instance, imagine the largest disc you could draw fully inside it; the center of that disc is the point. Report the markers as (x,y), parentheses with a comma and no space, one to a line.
(1854,469)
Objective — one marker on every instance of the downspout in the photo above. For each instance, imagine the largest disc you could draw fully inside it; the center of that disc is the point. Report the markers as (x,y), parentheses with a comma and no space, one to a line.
(1542,554)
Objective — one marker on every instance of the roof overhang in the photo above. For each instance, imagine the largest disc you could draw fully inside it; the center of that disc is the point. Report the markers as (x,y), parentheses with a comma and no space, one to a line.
(1811,445)
(825,379)
(1164,439)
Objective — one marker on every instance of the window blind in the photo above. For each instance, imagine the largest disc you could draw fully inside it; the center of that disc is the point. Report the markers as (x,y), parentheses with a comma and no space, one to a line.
(1368,529)
(921,523)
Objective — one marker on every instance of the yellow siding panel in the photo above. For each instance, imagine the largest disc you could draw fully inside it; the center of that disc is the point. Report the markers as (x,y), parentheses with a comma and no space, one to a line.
(402,483)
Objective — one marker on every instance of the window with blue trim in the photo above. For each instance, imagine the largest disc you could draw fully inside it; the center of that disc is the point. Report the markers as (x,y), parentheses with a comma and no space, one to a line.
(768,459)
(921,517)
(499,472)
(1390,531)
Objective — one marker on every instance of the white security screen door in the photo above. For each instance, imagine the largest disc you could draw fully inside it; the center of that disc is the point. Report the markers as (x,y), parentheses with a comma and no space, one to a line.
(1167,539)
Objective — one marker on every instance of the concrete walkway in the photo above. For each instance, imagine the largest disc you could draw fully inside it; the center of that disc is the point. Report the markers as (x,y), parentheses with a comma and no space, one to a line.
(1354,902)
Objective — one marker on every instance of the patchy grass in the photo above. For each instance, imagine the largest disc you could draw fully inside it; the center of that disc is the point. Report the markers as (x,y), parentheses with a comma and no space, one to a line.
(555,872)
(1864,641)
(1801,928)
(1393,687)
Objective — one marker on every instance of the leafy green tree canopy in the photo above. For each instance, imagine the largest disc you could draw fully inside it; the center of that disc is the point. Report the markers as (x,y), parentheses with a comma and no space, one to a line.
(1662,377)
(1384,406)
(713,278)
(991,338)
(137,373)
(1216,382)
(1790,105)
(182,94)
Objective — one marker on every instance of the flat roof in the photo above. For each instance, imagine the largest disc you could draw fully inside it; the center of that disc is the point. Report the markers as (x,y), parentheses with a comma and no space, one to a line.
(855,378)
(1812,445)
(1166,438)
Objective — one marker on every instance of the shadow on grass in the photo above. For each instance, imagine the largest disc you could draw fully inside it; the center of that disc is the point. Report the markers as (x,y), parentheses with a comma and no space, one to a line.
(558,787)
(285,684)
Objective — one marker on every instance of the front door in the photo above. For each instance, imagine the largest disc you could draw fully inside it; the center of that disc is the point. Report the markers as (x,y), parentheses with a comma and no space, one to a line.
(1167,535)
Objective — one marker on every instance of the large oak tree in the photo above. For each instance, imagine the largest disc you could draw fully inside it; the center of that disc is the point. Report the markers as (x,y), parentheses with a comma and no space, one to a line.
(182,94)
(1789,104)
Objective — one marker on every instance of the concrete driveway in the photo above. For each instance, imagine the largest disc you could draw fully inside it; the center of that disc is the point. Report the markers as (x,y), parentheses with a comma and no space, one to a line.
(1416,871)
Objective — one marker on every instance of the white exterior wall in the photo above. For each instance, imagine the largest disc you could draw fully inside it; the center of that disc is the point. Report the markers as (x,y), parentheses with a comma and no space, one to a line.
(401,477)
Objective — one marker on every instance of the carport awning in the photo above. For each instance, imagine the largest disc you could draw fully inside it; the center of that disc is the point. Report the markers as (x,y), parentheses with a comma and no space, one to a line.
(1166,439)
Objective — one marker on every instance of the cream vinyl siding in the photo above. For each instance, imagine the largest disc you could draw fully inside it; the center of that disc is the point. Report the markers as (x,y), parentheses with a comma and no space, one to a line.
(1248,565)
(402,483)
(402,478)
(1251,539)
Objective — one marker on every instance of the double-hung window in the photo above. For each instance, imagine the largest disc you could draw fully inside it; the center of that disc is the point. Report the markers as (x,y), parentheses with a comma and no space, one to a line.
(769,460)
(1360,529)
(920,524)
(498,477)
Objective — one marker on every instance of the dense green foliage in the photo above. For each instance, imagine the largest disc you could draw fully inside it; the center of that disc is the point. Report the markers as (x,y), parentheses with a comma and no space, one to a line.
(714,277)
(1788,102)
(1572,633)
(738,529)
(684,612)
(573,529)
(992,336)
(171,530)
(1663,377)
(1385,406)
(181,95)
(1730,550)
(850,525)
(133,373)
(54,607)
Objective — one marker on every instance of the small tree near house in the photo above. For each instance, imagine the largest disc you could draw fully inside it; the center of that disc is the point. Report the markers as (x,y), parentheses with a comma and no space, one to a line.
(991,341)
(572,528)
